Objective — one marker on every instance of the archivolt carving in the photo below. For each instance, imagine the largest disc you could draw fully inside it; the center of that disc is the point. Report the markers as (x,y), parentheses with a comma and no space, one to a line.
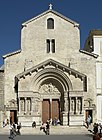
(51,73)
(49,89)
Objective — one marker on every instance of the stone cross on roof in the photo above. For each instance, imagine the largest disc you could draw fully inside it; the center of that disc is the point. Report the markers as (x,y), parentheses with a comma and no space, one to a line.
(50,6)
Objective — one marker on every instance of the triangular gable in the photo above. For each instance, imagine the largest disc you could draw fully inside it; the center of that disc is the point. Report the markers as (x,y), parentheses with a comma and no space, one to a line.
(54,12)
(52,63)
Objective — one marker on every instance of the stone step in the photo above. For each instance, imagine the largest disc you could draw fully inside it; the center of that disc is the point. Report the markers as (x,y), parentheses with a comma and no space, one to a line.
(59,130)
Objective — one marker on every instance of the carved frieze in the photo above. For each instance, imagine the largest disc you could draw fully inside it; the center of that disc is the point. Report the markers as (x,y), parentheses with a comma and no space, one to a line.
(49,89)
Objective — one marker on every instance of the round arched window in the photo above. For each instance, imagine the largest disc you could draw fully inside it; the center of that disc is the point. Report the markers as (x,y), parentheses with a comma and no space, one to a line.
(50,23)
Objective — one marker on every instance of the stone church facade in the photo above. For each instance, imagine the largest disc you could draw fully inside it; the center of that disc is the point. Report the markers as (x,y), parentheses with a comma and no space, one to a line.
(50,77)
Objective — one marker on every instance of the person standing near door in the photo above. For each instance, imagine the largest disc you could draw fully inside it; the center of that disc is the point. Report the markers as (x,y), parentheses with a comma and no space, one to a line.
(88,121)
(47,128)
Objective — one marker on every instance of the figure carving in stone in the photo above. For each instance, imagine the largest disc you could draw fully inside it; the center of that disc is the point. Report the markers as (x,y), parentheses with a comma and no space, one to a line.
(28,105)
(55,90)
(79,105)
(22,104)
(66,104)
(49,89)
(35,106)
(44,89)
(72,105)
(12,103)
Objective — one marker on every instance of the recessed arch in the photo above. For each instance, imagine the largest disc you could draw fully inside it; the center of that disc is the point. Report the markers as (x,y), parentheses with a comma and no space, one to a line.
(51,73)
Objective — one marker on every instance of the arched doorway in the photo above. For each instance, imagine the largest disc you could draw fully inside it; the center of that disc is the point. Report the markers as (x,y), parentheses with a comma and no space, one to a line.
(64,96)
(52,95)
(53,86)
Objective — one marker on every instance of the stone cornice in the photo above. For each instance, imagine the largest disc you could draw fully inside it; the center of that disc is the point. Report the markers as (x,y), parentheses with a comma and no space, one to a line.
(88,53)
(55,64)
(76,93)
(10,54)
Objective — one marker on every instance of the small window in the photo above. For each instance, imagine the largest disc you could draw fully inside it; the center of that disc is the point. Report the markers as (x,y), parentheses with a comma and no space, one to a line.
(53,46)
(50,23)
(50,45)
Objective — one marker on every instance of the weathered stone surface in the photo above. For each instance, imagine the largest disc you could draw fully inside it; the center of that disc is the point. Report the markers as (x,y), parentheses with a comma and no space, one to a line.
(70,73)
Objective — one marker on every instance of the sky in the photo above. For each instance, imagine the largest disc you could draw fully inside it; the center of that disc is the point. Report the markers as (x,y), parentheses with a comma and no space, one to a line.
(88,13)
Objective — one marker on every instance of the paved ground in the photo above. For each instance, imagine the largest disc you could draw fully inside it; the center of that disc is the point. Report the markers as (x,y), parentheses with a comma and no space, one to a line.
(54,130)
(48,137)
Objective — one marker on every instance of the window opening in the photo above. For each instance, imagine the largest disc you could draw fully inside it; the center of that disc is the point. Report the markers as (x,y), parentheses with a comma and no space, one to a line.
(53,46)
(50,23)
(50,45)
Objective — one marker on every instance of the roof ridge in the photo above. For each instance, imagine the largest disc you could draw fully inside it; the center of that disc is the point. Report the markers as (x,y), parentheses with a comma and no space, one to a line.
(55,12)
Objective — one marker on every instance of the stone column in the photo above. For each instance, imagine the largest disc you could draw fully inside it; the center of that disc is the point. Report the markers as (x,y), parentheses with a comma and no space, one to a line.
(76,103)
(66,102)
(51,109)
(65,113)
(70,105)
(19,105)
(25,105)
(31,104)
(82,105)
(50,46)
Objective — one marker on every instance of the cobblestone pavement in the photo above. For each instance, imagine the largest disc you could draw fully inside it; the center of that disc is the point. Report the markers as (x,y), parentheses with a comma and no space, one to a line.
(54,130)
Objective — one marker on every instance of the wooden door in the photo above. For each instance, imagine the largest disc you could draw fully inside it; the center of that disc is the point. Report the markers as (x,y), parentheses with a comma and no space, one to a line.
(11,116)
(45,110)
(55,109)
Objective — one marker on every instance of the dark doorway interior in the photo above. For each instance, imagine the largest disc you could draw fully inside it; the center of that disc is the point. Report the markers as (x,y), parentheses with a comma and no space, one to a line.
(88,112)
(13,116)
